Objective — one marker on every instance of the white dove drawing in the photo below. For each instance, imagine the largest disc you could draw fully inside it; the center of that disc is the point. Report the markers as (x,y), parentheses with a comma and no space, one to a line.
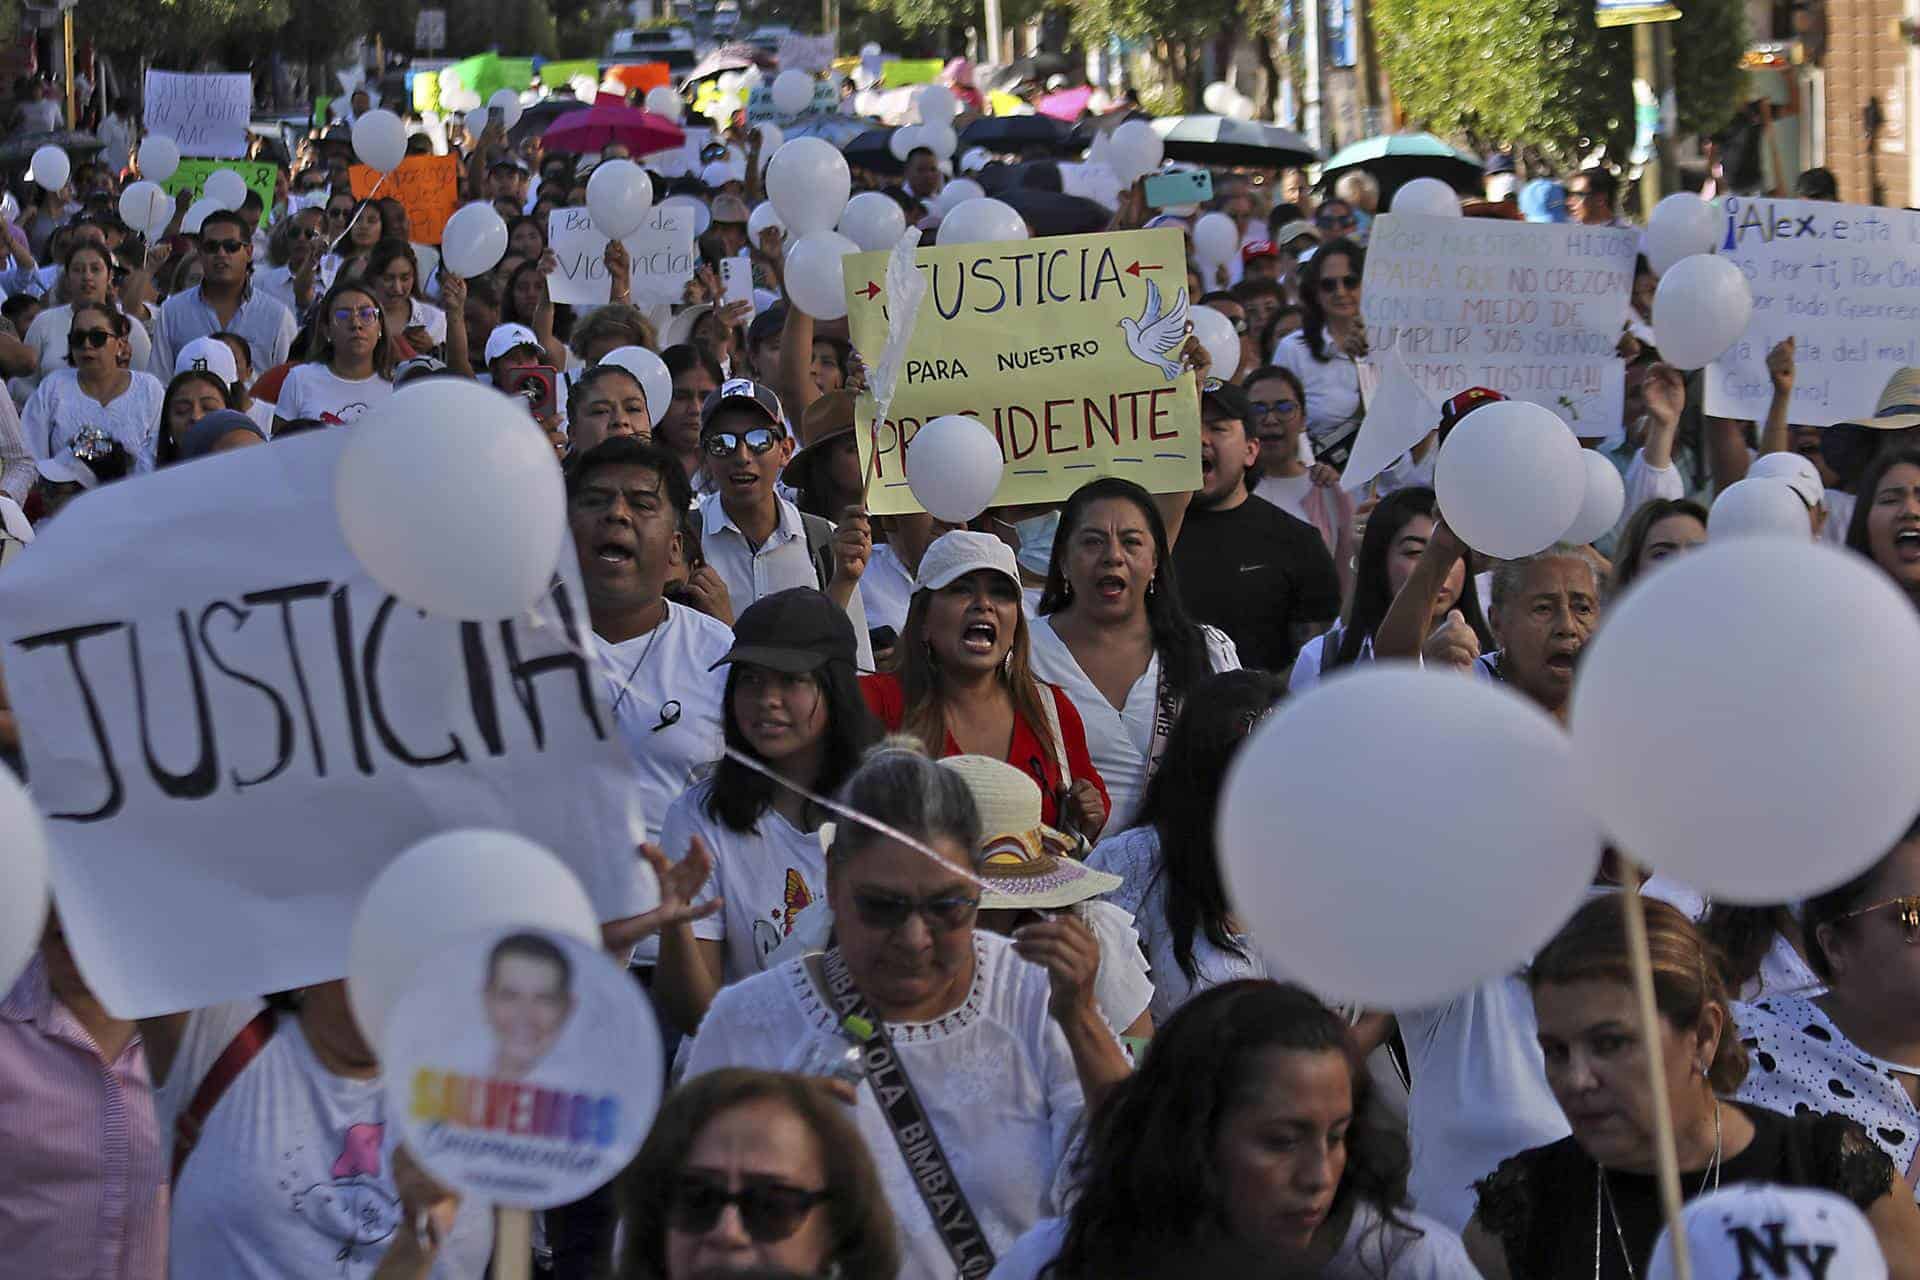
(1154,337)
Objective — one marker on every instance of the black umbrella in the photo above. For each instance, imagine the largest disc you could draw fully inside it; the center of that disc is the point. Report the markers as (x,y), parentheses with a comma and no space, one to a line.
(1037,67)
(534,120)
(1050,213)
(1015,133)
(1034,175)
(870,151)
(16,150)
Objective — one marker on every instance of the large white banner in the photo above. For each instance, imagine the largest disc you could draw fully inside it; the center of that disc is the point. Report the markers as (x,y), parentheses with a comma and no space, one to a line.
(205,113)
(1532,310)
(1843,281)
(232,729)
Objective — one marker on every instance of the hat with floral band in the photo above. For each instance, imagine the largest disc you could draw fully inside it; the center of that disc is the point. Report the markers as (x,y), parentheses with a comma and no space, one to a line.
(1027,866)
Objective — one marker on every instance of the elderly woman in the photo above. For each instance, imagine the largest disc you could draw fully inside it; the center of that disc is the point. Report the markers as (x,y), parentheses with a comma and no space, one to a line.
(1000,1041)
(966,684)
(293,260)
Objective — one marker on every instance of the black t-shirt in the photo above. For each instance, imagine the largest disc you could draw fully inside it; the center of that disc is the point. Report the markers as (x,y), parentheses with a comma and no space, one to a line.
(1254,571)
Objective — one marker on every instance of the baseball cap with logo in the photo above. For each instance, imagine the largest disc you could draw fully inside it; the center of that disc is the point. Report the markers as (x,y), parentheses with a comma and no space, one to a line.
(1462,403)
(1760,1230)
(208,355)
(1799,474)
(730,210)
(510,337)
(742,391)
(1258,249)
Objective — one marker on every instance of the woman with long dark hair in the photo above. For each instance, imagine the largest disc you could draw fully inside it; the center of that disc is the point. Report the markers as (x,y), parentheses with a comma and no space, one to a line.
(1658,530)
(1114,635)
(1247,1143)
(1397,534)
(95,392)
(1323,353)
(1168,864)
(394,272)
(349,360)
(1886,519)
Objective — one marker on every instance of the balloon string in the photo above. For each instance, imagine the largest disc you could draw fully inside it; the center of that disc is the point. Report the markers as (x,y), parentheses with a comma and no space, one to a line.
(364,201)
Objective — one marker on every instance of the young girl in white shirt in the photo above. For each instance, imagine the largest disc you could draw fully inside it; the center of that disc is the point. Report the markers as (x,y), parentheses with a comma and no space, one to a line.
(346,374)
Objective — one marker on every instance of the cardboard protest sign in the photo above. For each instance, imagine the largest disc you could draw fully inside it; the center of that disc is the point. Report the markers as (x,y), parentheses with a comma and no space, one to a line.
(1842,281)
(1532,310)
(1067,349)
(205,114)
(427,187)
(232,730)
(760,108)
(524,1067)
(193,173)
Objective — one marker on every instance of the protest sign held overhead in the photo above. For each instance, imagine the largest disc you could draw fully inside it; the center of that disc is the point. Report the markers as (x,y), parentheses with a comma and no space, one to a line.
(193,173)
(206,114)
(1843,281)
(661,252)
(1067,349)
(1532,310)
(427,187)
(233,732)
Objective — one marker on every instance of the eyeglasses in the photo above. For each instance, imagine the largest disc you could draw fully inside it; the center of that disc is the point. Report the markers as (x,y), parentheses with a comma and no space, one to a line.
(356,315)
(1329,283)
(1272,408)
(340,215)
(721,444)
(1909,908)
(885,911)
(302,233)
(769,1210)
(80,339)
(222,246)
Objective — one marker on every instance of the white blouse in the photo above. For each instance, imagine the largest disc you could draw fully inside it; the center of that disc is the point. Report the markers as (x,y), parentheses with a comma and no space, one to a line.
(60,409)
(1332,385)
(47,335)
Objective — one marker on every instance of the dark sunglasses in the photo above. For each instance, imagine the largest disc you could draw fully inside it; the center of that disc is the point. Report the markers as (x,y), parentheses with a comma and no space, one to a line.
(1337,220)
(222,246)
(943,915)
(302,233)
(340,214)
(769,1210)
(1272,408)
(721,444)
(1329,283)
(79,339)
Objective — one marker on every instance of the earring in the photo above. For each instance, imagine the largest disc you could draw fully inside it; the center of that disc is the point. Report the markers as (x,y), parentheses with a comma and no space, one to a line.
(1006,664)
(1149,588)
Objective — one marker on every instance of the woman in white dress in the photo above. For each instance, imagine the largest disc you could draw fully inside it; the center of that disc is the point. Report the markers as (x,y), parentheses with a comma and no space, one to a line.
(346,373)
(95,390)
(87,276)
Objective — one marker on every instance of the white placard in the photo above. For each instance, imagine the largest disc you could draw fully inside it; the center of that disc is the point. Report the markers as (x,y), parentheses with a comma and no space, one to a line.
(806,53)
(580,249)
(1843,281)
(232,729)
(1531,310)
(760,108)
(205,114)
(661,251)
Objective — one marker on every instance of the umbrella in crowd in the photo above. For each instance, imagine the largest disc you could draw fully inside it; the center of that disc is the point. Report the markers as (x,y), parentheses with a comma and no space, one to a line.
(1053,213)
(1224,141)
(1398,158)
(21,149)
(1015,133)
(870,151)
(642,132)
(535,120)
(727,57)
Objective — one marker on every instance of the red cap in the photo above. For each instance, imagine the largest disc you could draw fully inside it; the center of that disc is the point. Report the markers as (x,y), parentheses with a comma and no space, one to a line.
(1259,249)
(1461,403)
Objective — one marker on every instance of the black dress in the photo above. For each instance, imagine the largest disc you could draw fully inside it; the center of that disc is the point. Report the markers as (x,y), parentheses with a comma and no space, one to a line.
(1540,1203)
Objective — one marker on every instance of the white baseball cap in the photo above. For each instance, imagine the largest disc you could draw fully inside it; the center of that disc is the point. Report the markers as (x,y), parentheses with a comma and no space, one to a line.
(1797,471)
(208,355)
(1732,1230)
(507,337)
(961,552)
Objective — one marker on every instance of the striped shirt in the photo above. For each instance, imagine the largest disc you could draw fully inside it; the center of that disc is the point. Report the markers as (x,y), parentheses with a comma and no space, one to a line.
(83,1186)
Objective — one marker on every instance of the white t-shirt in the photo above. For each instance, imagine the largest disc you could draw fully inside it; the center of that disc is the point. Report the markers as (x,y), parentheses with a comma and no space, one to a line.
(1119,738)
(293,1174)
(431,318)
(261,414)
(1316,653)
(995,1076)
(886,588)
(1134,856)
(312,390)
(1644,483)
(767,875)
(60,409)
(1840,505)
(48,333)
(1289,493)
(645,677)
(1374,1249)
(1332,385)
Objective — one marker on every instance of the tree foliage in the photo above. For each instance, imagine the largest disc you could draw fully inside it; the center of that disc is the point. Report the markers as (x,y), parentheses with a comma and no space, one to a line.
(1540,74)
(174,33)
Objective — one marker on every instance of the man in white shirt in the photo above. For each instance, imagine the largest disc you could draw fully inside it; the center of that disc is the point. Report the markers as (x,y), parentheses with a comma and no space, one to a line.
(757,541)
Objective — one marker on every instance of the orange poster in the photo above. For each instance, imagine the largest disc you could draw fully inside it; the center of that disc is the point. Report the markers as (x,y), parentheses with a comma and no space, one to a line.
(428,187)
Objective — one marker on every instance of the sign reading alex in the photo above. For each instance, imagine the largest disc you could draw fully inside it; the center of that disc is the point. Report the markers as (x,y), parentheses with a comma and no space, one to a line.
(1067,349)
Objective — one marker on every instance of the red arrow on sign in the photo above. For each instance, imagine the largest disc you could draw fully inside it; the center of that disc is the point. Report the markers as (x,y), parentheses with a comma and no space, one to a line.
(871,292)
(1137,267)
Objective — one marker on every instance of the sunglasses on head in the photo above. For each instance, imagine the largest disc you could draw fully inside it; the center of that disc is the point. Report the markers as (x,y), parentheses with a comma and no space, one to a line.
(80,339)
(769,1210)
(222,246)
(1329,283)
(721,444)
(888,911)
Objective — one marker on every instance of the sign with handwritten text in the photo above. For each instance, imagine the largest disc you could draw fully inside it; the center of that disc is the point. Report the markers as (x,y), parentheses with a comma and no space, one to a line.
(661,252)
(193,173)
(1066,348)
(205,114)
(1841,280)
(427,187)
(1531,310)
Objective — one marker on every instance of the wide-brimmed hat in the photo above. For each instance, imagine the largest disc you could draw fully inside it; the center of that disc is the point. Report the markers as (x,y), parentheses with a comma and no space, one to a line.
(1026,864)
(827,419)
(1899,406)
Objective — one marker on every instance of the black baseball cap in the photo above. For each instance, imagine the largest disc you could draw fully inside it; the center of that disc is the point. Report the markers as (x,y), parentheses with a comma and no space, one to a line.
(766,326)
(796,631)
(743,391)
(1228,399)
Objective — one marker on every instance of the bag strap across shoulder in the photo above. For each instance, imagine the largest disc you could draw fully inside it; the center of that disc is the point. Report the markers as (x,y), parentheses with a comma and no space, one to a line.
(241,1050)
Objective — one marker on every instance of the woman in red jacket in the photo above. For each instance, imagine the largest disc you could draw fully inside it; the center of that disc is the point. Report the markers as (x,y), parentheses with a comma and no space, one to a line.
(965,687)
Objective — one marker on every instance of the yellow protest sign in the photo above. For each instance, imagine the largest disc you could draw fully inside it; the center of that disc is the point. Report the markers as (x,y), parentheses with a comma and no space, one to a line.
(1066,348)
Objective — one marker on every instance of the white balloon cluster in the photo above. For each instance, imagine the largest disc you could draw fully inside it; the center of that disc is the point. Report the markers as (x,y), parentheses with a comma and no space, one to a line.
(1134,150)
(1222,99)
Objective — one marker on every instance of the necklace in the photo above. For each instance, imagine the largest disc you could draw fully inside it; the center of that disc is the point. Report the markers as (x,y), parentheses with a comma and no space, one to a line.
(626,686)
(1603,1194)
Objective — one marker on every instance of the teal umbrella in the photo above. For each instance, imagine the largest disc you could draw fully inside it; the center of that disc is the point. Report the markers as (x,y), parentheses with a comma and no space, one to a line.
(1397,158)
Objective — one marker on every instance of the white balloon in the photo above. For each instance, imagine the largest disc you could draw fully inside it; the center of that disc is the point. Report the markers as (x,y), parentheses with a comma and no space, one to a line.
(23,870)
(1682,225)
(869,50)
(1216,238)
(1801,752)
(1605,499)
(145,208)
(873,221)
(903,140)
(1135,150)
(444,887)
(771,139)
(939,139)
(1759,506)
(1242,107)
(159,158)
(507,103)
(1428,197)
(695,209)
(473,241)
(663,101)
(764,215)
(50,167)
(808,182)
(728,81)
(981,219)
(619,193)
(936,104)
(651,372)
(225,189)
(1300,880)
(815,282)
(1216,334)
(792,92)
(959,191)
(974,159)
(1217,97)
(468,463)
(1510,479)
(953,467)
(1700,309)
(197,214)
(380,140)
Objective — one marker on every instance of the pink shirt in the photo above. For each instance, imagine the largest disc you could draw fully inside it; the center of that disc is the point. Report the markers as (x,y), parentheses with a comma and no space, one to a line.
(83,1183)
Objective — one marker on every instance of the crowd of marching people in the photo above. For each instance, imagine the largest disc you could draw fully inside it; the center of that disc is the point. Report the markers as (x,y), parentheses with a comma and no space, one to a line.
(1035,712)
